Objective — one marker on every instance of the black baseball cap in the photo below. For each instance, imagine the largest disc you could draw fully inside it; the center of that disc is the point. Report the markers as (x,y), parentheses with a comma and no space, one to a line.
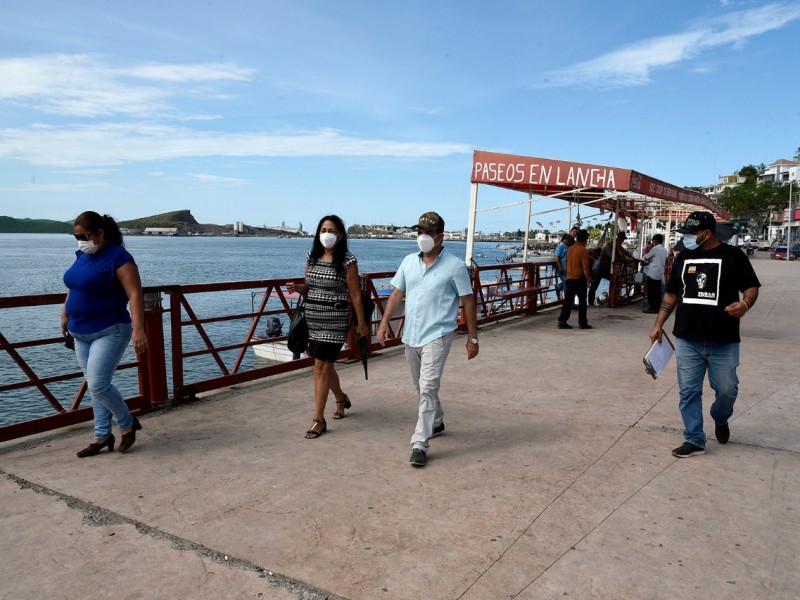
(698,221)
(430,221)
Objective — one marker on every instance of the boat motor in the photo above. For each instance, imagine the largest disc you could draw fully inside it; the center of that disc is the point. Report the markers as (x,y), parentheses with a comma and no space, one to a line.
(274,327)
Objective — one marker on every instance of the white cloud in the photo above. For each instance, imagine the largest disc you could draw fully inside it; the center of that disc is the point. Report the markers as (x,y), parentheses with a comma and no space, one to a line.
(632,65)
(114,144)
(206,178)
(89,87)
(40,188)
(189,73)
(86,86)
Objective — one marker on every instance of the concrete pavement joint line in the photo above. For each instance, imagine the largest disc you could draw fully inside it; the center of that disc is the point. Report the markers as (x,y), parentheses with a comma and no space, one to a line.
(603,520)
(557,498)
(98,517)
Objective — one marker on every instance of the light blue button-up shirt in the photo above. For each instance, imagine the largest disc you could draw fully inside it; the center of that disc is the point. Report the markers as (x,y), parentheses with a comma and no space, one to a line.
(432,296)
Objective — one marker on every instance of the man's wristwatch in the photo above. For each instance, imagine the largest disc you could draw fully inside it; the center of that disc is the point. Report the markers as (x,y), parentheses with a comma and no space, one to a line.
(473,341)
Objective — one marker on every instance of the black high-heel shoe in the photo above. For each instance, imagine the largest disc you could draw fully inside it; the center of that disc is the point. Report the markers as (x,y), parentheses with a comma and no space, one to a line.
(315,431)
(129,438)
(339,414)
(93,448)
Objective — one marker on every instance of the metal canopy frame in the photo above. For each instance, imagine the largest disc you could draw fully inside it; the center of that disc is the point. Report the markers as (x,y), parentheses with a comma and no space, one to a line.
(606,188)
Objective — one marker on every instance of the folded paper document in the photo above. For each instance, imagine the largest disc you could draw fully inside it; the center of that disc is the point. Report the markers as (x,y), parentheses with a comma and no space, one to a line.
(658,356)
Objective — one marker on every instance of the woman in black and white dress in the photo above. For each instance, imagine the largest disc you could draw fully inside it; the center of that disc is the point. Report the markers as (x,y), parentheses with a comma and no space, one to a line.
(330,288)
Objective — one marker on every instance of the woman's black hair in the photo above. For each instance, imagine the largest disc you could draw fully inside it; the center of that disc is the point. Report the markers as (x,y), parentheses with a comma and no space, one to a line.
(339,250)
(94,222)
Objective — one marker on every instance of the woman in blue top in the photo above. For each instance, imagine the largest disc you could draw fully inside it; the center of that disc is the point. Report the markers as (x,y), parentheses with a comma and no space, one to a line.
(101,282)
(331,286)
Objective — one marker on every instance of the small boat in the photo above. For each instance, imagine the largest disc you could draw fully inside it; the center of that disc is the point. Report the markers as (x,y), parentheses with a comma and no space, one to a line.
(271,349)
(274,350)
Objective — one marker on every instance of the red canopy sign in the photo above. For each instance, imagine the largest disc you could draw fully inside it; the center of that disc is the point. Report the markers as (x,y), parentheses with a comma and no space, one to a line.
(548,177)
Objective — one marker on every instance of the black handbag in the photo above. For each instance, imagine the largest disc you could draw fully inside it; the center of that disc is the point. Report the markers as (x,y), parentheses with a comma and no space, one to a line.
(297,338)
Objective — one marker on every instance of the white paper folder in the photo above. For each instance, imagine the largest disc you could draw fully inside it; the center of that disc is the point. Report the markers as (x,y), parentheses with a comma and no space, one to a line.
(658,356)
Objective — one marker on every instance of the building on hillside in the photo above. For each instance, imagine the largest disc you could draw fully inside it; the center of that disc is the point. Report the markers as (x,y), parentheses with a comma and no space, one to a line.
(725,182)
(781,171)
(161,231)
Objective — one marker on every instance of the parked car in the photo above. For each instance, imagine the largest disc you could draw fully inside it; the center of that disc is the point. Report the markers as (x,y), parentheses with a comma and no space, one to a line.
(764,245)
(779,252)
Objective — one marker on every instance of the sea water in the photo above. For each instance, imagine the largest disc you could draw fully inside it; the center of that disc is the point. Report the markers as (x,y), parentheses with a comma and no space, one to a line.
(32,264)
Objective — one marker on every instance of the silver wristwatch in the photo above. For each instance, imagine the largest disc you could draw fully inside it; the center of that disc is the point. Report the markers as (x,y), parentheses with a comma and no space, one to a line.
(473,341)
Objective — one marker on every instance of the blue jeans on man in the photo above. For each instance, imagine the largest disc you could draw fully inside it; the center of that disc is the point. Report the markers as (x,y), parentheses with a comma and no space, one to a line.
(694,358)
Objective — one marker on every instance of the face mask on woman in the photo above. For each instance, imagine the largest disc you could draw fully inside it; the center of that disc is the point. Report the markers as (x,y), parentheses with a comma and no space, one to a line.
(327,239)
(425,243)
(87,246)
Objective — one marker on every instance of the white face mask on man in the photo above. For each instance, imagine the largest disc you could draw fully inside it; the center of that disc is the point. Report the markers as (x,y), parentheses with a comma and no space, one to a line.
(425,243)
(87,246)
(327,239)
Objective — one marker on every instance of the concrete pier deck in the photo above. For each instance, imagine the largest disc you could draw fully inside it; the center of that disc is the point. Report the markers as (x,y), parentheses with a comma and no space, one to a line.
(554,479)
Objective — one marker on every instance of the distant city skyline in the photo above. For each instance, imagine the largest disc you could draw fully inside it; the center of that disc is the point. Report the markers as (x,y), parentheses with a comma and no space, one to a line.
(287,111)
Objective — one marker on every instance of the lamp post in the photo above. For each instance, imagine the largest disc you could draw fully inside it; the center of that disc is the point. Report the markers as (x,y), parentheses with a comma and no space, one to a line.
(789,225)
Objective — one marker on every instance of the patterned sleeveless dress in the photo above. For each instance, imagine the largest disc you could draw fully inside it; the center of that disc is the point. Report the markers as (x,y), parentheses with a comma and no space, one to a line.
(327,302)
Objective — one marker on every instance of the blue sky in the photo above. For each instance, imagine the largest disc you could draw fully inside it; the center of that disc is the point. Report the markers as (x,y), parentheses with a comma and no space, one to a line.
(270,111)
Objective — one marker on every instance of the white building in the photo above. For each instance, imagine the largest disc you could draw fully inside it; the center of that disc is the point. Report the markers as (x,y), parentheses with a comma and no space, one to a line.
(161,231)
(725,182)
(783,171)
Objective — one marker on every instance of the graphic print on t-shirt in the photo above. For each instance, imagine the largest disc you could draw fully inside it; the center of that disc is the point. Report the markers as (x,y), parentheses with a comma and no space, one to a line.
(701,280)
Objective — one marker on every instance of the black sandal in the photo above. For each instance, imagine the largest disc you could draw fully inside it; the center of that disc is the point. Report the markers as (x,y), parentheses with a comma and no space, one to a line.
(340,406)
(313,434)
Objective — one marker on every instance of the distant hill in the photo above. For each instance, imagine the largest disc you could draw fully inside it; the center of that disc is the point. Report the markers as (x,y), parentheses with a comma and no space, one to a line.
(186,224)
(12,225)
(181,219)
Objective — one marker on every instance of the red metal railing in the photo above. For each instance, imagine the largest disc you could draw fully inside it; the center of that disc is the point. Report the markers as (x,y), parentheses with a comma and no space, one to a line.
(623,288)
(501,291)
(61,417)
(234,373)
(513,289)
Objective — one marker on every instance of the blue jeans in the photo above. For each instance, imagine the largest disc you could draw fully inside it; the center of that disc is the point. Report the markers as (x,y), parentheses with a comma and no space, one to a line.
(98,355)
(427,364)
(694,358)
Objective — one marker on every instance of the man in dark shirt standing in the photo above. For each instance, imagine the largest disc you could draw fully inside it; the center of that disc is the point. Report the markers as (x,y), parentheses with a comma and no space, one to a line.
(621,255)
(703,290)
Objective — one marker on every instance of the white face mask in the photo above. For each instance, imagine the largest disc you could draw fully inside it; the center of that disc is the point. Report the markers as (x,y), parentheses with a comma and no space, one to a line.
(425,243)
(87,247)
(327,239)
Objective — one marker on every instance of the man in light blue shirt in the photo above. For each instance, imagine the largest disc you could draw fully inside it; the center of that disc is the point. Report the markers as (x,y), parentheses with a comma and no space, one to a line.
(434,283)
(561,259)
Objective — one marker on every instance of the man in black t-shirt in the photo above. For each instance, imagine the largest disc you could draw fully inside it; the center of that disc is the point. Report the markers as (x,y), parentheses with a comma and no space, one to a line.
(703,289)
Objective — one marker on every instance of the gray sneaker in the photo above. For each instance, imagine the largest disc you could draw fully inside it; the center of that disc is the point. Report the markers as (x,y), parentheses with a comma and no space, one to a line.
(438,430)
(688,449)
(418,458)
